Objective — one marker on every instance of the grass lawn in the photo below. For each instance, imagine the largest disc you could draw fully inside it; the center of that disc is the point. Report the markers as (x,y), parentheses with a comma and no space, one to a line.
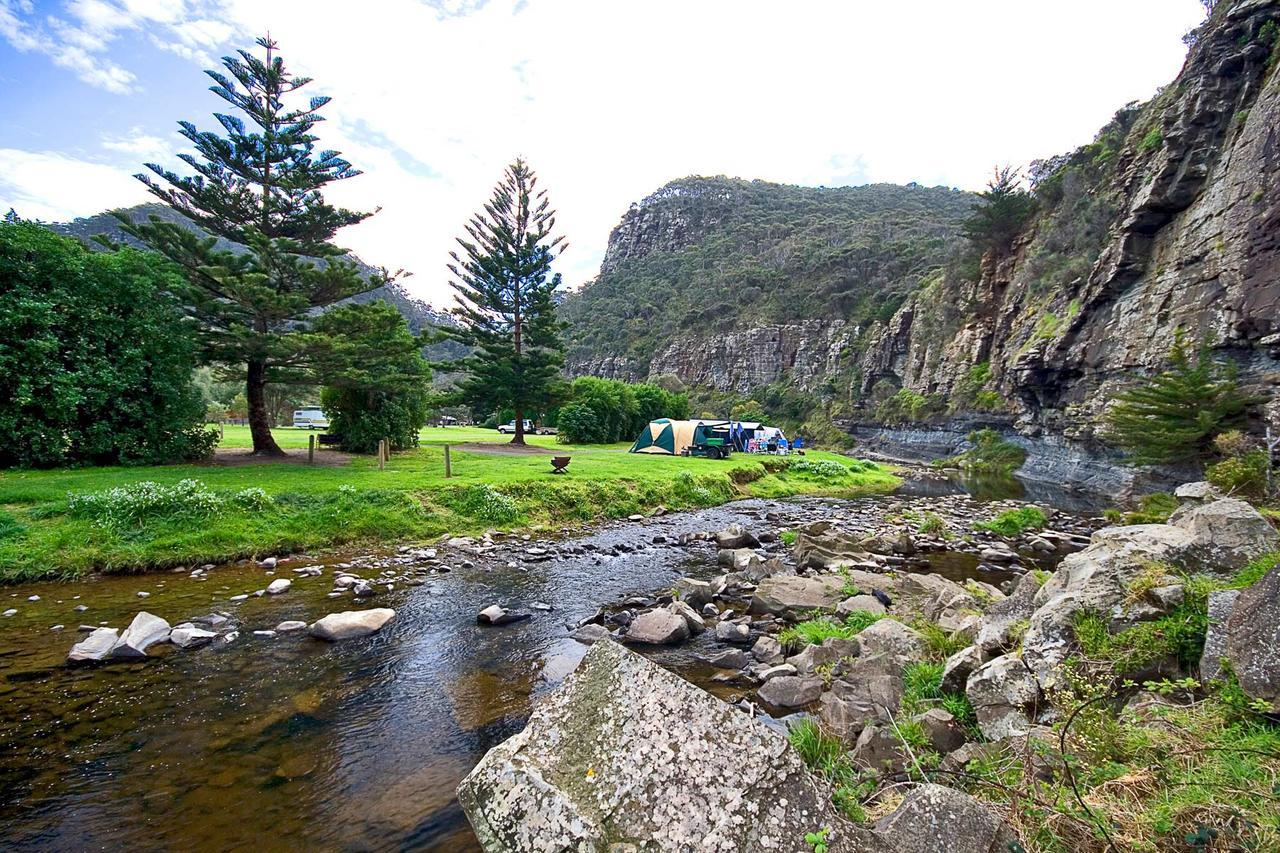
(43,532)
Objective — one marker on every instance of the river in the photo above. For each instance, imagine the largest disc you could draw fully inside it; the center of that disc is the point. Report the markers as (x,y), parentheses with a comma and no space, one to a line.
(286,742)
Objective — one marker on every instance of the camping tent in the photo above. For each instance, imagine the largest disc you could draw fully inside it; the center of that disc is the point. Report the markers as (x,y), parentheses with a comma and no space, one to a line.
(670,438)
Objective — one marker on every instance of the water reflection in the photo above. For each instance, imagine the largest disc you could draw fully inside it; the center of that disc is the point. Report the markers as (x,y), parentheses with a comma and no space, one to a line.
(999,487)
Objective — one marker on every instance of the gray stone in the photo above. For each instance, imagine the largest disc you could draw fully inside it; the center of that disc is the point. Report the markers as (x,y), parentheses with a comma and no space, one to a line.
(792,595)
(931,813)
(734,537)
(291,625)
(278,586)
(889,636)
(867,603)
(732,632)
(1004,694)
(622,749)
(1253,639)
(351,624)
(880,750)
(143,632)
(958,668)
(1226,533)
(691,617)
(697,594)
(940,727)
(728,659)
(869,691)
(828,653)
(791,691)
(186,638)
(1221,603)
(1196,492)
(497,615)
(589,634)
(95,647)
(767,649)
(1001,626)
(657,628)
(776,671)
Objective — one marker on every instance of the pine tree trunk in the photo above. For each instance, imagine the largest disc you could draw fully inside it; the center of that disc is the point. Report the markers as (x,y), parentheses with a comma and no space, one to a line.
(518,438)
(259,424)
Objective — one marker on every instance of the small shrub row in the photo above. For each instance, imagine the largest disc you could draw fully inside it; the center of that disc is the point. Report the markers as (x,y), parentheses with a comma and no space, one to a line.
(146,501)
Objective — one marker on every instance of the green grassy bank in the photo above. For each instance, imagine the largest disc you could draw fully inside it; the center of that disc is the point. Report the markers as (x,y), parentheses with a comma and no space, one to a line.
(63,523)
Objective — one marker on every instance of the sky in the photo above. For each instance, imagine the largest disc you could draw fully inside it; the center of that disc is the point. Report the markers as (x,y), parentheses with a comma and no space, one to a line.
(607,100)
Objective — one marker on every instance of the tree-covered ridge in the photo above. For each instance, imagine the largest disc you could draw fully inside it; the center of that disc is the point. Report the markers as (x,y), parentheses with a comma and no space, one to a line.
(708,254)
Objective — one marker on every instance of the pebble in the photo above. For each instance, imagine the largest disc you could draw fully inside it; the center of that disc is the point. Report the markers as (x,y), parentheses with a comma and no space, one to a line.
(241,597)
(80,608)
(278,586)
(33,598)
(142,594)
(57,627)
(10,612)
(267,633)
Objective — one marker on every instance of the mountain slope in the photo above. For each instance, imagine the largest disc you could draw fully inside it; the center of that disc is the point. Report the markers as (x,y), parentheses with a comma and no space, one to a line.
(706,257)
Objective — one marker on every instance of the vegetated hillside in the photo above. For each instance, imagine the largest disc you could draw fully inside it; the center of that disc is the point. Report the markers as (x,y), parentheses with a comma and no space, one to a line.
(705,257)
(1168,220)
(418,314)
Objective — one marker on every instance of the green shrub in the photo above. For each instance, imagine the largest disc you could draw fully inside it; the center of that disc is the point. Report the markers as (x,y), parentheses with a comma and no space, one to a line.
(577,424)
(989,453)
(1179,635)
(484,502)
(859,619)
(932,525)
(10,527)
(360,419)
(1154,508)
(825,469)
(907,406)
(788,537)
(1012,522)
(1151,141)
(138,504)
(1244,475)
(922,682)
(812,632)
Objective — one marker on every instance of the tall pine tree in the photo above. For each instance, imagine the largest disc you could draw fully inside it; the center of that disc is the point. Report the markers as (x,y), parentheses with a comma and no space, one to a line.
(1174,415)
(505,307)
(259,187)
(1002,211)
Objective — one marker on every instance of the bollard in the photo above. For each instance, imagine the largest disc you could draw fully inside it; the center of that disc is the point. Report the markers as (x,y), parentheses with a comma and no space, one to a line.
(311,449)
(448,467)
(382,454)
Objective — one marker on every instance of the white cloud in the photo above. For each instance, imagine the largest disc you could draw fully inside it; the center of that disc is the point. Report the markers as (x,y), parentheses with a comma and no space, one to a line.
(609,100)
(54,187)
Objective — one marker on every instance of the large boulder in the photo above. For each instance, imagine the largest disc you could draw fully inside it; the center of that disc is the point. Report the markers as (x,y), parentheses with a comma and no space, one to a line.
(891,637)
(1226,533)
(351,624)
(735,536)
(1253,639)
(791,691)
(832,549)
(869,691)
(1221,603)
(932,813)
(1004,695)
(143,632)
(827,654)
(694,592)
(691,617)
(625,751)
(796,596)
(658,627)
(95,647)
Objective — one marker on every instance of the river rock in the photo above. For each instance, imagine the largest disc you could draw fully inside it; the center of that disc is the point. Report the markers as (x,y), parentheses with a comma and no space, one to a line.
(958,668)
(344,582)
(289,626)
(691,617)
(793,595)
(827,654)
(189,637)
(831,549)
(1004,694)
(932,812)
(734,537)
(695,593)
(589,633)
(738,559)
(143,632)
(791,691)
(95,647)
(1001,627)
(728,659)
(622,749)
(1253,639)
(658,627)
(351,624)
(1198,492)
(278,586)
(940,727)
(268,562)
(497,615)
(854,603)
(1221,603)
(869,691)
(767,650)
(880,750)
(1226,533)
(732,632)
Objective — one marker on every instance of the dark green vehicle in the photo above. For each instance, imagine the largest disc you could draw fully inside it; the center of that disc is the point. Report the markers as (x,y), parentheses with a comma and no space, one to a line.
(712,441)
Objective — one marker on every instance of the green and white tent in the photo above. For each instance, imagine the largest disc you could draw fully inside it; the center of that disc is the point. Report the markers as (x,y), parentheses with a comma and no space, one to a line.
(670,438)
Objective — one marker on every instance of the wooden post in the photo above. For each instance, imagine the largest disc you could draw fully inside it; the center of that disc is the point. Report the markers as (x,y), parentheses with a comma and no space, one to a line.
(448,467)
(382,454)
(311,449)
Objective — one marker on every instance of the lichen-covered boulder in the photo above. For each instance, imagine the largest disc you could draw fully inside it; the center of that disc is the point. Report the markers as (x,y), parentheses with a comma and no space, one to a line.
(1001,627)
(658,627)
(1253,639)
(627,753)
(1004,695)
(891,637)
(936,818)
(1221,603)
(1226,533)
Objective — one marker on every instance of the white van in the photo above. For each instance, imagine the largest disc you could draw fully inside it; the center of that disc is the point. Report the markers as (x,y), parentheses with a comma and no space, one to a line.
(310,417)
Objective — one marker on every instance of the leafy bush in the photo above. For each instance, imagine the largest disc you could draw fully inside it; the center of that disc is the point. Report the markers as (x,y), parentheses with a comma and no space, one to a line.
(907,406)
(603,411)
(859,619)
(1154,508)
(1241,475)
(484,502)
(825,469)
(989,453)
(1012,522)
(1151,141)
(138,503)
(96,361)
(360,419)
(788,537)
(577,424)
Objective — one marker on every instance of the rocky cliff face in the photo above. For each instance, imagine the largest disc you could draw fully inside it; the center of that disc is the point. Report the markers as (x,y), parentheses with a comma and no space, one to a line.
(1169,220)
(1194,244)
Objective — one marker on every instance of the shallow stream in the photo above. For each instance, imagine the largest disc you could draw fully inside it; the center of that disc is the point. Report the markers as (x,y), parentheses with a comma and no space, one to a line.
(286,742)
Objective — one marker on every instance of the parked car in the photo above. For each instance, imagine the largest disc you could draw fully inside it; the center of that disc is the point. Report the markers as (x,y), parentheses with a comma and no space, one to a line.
(310,417)
(509,428)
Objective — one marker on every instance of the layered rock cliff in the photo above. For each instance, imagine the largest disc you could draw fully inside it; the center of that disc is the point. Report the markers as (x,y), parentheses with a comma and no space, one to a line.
(1168,221)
